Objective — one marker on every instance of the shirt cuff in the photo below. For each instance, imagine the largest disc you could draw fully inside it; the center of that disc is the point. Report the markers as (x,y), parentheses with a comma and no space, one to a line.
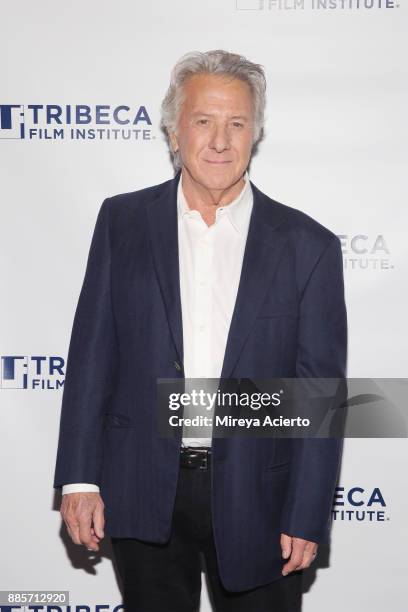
(80,487)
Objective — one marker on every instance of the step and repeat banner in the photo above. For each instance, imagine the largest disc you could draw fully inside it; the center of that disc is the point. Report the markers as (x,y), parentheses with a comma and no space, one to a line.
(81,87)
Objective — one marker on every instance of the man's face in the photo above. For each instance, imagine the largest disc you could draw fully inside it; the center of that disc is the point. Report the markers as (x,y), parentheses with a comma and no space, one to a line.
(215,129)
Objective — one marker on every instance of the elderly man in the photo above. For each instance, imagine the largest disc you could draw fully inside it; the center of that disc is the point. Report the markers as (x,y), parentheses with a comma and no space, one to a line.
(201,276)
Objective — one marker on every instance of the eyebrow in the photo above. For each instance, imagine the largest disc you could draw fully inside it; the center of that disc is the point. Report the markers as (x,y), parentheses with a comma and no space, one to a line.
(199,114)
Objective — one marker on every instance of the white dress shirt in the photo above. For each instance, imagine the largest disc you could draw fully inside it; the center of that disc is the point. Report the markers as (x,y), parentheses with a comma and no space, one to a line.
(210,263)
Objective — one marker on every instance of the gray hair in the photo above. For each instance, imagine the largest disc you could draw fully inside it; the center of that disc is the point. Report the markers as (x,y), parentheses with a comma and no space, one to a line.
(212,62)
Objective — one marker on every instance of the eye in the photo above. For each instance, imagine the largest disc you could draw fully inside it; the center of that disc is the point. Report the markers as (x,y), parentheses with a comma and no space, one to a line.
(203,121)
(237,124)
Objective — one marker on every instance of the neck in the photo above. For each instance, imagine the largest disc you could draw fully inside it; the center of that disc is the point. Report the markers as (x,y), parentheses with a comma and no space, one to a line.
(207,200)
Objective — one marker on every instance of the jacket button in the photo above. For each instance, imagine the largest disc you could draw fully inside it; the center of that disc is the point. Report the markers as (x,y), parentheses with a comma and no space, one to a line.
(177,366)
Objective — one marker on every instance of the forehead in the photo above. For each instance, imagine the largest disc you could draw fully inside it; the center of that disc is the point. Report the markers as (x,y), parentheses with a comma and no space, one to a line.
(203,91)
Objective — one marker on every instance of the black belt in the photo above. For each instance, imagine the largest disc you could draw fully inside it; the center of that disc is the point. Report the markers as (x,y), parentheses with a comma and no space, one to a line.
(195,457)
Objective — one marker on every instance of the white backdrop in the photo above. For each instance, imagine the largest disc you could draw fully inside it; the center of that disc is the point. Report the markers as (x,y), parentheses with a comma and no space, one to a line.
(335,147)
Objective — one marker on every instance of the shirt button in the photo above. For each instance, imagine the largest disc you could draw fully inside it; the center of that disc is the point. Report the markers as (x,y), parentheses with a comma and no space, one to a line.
(177,366)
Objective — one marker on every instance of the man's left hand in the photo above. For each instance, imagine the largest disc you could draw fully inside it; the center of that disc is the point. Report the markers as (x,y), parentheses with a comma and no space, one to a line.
(300,553)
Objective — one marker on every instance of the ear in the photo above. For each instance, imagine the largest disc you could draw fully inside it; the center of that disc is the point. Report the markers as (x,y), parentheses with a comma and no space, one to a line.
(173,141)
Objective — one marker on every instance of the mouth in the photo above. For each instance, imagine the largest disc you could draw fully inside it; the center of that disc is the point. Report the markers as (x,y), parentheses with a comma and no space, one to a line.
(215,163)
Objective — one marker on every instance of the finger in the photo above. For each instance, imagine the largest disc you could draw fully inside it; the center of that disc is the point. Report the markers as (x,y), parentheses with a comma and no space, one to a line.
(309,556)
(95,539)
(306,561)
(99,521)
(85,534)
(296,556)
(94,534)
(73,530)
(292,565)
(286,545)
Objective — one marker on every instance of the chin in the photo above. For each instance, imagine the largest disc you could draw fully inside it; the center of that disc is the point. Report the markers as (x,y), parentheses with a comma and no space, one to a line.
(218,177)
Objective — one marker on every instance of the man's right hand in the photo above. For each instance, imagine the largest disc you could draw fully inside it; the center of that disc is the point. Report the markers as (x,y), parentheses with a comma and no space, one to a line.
(83,515)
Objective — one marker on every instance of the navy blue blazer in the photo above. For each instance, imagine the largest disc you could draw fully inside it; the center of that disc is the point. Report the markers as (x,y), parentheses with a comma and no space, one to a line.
(289,321)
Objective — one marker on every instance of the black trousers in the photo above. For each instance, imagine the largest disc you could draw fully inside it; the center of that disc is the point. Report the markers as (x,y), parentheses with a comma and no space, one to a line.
(167,577)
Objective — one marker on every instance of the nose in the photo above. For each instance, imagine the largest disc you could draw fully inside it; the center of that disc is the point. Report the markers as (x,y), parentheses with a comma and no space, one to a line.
(220,140)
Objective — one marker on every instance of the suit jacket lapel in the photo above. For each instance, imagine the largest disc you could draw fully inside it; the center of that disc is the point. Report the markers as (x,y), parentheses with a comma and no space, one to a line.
(263,250)
(163,227)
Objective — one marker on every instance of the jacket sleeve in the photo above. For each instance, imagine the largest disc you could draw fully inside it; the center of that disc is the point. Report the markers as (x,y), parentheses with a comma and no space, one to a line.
(91,367)
(322,353)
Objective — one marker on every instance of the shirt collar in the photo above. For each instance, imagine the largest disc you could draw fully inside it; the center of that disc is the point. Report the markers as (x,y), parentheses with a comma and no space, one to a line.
(238,210)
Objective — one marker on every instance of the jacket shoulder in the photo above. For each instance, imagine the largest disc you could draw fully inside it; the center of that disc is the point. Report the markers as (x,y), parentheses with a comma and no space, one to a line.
(133,200)
(298,225)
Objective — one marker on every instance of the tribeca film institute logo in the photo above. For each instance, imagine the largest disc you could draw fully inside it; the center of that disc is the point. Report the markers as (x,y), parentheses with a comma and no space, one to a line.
(34,372)
(365,252)
(359,504)
(316,5)
(74,122)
